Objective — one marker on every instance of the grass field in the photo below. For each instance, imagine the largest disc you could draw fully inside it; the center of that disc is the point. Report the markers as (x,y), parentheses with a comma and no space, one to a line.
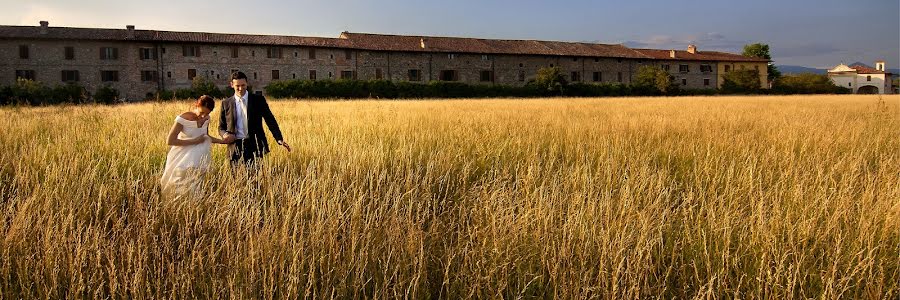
(705,197)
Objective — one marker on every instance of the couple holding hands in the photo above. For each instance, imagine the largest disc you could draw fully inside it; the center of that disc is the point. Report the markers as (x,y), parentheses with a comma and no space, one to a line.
(240,126)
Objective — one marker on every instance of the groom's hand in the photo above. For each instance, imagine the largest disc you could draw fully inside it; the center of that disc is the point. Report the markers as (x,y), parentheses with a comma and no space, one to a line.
(285,144)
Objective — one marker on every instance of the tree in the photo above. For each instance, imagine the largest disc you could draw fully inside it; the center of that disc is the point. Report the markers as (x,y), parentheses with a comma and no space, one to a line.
(551,80)
(655,79)
(106,94)
(759,50)
(808,83)
(741,82)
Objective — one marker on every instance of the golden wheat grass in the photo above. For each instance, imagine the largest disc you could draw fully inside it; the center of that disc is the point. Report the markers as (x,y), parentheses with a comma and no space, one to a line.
(692,197)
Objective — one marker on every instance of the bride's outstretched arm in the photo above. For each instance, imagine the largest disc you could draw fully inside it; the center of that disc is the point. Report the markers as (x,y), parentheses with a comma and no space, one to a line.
(173,139)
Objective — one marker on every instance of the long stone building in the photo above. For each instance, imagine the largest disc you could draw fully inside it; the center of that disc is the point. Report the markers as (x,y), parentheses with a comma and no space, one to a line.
(139,63)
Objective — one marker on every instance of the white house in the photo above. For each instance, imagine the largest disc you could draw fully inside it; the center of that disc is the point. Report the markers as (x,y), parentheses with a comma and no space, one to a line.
(862,79)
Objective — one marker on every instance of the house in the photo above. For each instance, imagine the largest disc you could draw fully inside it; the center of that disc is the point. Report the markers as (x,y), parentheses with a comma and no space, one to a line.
(863,79)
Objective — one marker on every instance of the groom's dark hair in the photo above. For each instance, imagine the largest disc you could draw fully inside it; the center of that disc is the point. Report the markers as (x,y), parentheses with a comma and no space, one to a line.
(238,75)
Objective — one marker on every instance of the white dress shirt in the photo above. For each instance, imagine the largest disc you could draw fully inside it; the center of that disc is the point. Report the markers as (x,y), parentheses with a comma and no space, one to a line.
(240,113)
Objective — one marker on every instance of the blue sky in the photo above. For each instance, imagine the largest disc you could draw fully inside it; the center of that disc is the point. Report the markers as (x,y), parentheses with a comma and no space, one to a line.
(814,33)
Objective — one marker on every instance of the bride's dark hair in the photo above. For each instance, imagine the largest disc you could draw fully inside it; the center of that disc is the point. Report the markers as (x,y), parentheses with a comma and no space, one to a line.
(206,101)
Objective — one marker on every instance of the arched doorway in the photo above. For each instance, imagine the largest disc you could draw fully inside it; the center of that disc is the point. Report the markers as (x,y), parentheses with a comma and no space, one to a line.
(867,89)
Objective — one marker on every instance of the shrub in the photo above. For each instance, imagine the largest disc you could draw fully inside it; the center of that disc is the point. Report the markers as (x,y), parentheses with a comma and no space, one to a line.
(651,80)
(741,82)
(30,92)
(69,93)
(106,94)
(807,83)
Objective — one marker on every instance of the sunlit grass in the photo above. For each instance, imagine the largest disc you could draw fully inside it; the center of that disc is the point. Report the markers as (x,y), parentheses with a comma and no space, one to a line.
(720,197)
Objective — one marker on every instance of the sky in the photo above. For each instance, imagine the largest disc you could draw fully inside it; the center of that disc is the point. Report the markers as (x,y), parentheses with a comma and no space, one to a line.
(811,33)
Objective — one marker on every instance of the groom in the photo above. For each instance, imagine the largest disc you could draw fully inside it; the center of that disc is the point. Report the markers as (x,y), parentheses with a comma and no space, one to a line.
(240,124)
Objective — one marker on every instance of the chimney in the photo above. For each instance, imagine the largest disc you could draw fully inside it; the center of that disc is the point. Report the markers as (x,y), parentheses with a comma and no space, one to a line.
(44,25)
(692,49)
(672,53)
(130,29)
(422,43)
(879,65)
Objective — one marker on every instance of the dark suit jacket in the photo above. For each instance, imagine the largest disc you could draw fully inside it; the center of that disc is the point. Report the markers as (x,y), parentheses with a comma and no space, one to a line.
(257,111)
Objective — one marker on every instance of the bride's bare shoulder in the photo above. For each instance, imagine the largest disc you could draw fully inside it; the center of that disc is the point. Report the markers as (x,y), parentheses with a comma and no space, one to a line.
(189,115)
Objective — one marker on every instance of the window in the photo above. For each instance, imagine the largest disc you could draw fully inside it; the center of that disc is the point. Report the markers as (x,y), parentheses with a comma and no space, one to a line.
(255,76)
(191,51)
(727,68)
(149,76)
(169,74)
(69,53)
(347,75)
(273,52)
(521,65)
(449,75)
(192,73)
(294,75)
(415,75)
(378,74)
(108,76)
(312,74)
(596,60)
(70,75)
(869,78)
(684,68)
(576,76)
(742,67)
(253,53)
(451,56)
(25,74)
(619,76)
(521,76)
(235,50)
(485,57)
(574,59)
(705,68)
(312,53)
(348,54)
(684,81)
(109,53)
(23,51)
(598,76)
(705,81)
(665,67)
(487,76)
(756,68)
(147,53)
(276,75)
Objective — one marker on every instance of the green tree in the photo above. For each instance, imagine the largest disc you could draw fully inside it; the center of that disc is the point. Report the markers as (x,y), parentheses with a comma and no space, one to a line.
(808,83)
(551,80)
(655,80)
(741,82)
(759,50)
(204,86)
(106,94)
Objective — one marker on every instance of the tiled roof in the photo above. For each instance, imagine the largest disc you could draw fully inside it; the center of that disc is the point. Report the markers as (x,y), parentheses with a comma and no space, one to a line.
(699,56)
(860,69)
(166,36)
(384,42)
(375,42)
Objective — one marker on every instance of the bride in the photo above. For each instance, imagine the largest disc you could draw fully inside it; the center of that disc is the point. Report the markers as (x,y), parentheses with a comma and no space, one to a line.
(189,154)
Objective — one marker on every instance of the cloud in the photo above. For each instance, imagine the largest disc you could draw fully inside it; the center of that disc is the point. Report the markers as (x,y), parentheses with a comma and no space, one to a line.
(705,41)
(804,50)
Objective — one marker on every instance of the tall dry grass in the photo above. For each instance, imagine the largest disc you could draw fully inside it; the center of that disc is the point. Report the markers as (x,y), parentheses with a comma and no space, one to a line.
(721,197)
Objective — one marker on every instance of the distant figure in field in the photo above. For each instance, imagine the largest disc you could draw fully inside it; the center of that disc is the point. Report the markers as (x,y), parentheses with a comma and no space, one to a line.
(189,154)
(240,124)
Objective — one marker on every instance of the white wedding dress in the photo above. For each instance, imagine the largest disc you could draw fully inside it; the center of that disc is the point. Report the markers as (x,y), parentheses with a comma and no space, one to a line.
(186,165)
